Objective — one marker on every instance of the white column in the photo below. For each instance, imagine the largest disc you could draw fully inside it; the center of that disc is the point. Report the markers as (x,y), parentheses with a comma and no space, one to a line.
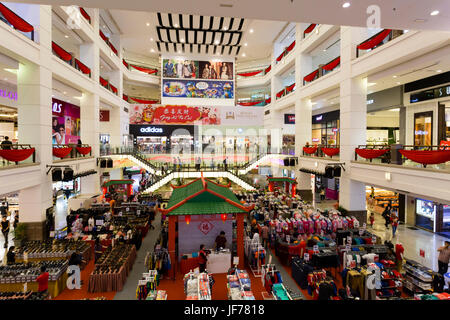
(90,184)
(34,87)
(353,118)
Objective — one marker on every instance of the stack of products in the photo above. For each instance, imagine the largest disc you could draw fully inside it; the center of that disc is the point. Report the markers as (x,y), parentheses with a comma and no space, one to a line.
(280,293)
(147,285)
(239,286)
(112,268)
(28,272)
(433,296)
(300,270)
(418,278)
(197,286)
(52,249)
(270,276)
(391,280)
(159,260)
(157,295)
(29,295)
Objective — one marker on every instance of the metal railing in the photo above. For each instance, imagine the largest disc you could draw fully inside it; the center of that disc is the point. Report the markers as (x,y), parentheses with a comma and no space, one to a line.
(74,65)
(392,35)
(29,35)
(8,163)
(319,152)
(74,153)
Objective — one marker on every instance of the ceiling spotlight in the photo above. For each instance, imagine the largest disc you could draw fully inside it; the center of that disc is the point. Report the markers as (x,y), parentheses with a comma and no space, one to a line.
(179,51)
(243,54)
(398,82)
(176,25)
(66,36)
(439,71)
(251,30)
(394,76)
(182,40)
(151,39)
(64,92)
(346,5)
(371,84)
(148,24)
(104,26)
(324,50)
(434,13)
(152,50)
(420,20)
(225,28)
(216,42)
(245,44)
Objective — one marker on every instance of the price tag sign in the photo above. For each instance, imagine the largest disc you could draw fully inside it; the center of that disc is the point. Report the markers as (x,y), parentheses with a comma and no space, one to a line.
(142,282)
(306,256)
(127,209)
(374,239)
(235,261)
(52,234)
(138,212)
(145,275)
(316,248)
(349,240)
(288,238)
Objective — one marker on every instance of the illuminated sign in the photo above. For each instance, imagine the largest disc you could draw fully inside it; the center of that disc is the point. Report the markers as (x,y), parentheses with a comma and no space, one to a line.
(152,129)
(370,101)
(430,94)
(56,107)
(420,133)
(289,118)
(11,95)
(319,118)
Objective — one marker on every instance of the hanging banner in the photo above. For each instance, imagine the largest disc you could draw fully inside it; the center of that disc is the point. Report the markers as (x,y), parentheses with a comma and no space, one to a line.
(193,69)
(65,122)
(198,89)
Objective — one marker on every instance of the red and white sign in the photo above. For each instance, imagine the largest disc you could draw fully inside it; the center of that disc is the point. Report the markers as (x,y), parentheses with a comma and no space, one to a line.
(104,115)
(205,226)
(422,253)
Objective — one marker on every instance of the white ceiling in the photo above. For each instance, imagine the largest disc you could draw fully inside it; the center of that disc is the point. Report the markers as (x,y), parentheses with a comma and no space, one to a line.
(397,14)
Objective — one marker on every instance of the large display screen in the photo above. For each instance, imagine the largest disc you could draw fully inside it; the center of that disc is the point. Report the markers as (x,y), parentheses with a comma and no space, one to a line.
(65,122)
(198,89)
(425,208)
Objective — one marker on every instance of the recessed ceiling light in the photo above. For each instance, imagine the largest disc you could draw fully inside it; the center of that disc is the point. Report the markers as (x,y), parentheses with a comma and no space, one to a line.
(153,50)
(251,30)
(394,76)
(434,13)
(182,40)
(101,67)
(179,51)
(66,36)
(324,50)
(216,42)
(151,39)
(64,92)
(225,28)
(148,24)
(5,79)
(176,25)
(245,44)
(243,54)
(346,5)
(398,82)
(104,26)
(439,70)
(420,20)
(371,84)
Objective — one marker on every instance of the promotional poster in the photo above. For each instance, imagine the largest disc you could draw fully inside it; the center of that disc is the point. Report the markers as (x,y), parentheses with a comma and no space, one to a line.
(191,69)
(198,89)
(65,122)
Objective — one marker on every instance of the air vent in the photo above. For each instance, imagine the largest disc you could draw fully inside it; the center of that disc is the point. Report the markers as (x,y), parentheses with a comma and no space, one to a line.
(225,5)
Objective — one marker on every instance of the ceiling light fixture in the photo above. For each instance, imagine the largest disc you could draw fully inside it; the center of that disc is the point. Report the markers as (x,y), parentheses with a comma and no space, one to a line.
(148,24)
(439,71)
(394,76)
(371,84)
(434,13)
(182,40)
(324,50)
(11,70)
(243,54)
(346,5)
(225,28)
(251,30)
(64,92)
(176,25)
(151,39)
(420,20)
(216,42)
(398,82)
(66,36)
(152,50)
(245,44)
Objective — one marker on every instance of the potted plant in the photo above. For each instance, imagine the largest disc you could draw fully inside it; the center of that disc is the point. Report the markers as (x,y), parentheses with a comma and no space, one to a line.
(20,234)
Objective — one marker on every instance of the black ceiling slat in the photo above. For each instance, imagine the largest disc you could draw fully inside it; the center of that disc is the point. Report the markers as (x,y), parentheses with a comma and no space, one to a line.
(186,36)
(191,21)
(177,32)
(199,48)
(182,47)
(158,31)
(221,23)
(191,47)
(180,17)
(200,24)
(230,39)
(221,37)
(167,47)
(231,49)
(238,49)
(168,36)
(230,27)
(241,24)
(204,38)
(221,52)
(215,49)
(195,37)
(170,20)
(239,39)
(207,49)
(175,47)
(160,19)
(213,38)
(158,45)
(211,22)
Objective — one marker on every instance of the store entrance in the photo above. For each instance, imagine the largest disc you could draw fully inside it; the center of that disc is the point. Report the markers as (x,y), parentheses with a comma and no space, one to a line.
(152,144)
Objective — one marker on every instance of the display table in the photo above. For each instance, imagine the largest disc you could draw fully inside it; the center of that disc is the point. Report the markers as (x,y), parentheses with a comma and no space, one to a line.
(54,287)
(219,262)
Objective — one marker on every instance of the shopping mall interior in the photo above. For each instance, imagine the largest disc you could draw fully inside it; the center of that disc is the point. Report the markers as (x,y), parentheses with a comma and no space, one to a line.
(151,151)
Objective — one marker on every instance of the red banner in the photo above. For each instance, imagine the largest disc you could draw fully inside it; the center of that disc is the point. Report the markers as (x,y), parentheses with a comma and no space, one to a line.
(173,115)
(249,74)
(82,67)
(371,153)
(103,82)
(16,155)
(104,115)
(268,69)
(85,14)
(427,157)
(310,28)
(84,150)
(63,54)
(374,41)
(310,77)
(61,152)
(143,69)
(332,64)
(144,101)
(330,151)
(15,20)
(249,104)
(309,150)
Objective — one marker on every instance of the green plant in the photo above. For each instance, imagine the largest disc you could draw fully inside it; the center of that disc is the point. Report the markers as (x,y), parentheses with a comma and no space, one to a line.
(20,232)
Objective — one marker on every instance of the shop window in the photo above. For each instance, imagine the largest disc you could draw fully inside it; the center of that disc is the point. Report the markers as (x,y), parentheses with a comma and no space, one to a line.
(423,129)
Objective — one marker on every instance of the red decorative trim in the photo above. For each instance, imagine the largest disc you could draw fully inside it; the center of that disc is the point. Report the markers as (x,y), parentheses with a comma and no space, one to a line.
(310,150)
(280,56)
(63,54)
(330,151)
(185,185)
(84,150)
(16,155)
(268,100)
(249,104)
(61,152)
(15,20)
(333,64)
(427,157)
(143,69)
(268,69)
(103,82)
(102,35)
(144,101)
(371,153)
(125,97)
(82,67)
(310,77)
(230,201)
(280,93)
(291,46)
(113,48)
(290,88)
(249,74)
(310,28)
(113,89)
(85,14)
(125,63)
(374,41)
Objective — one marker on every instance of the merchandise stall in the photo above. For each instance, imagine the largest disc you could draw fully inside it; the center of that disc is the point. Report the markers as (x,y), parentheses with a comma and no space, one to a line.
(197,286)
(200,207)
(288,184)
(239,286)
(147,287)
(124,188)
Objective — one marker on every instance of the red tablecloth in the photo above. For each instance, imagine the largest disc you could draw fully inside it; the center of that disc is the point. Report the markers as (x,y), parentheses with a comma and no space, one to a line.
(106,243)
(188,264)
(143,229)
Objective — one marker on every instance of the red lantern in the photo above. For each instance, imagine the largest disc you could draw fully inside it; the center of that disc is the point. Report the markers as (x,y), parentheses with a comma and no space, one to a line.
(223,216)
(187,219)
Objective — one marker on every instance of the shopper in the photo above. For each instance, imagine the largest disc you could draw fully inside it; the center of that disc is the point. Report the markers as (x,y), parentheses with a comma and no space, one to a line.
(98,249)
(265,234)
(444,257)
(372,219)
(225,165)
(394,223)
(5,230)
(387,215)
(11,256)
(42,280)
(322,194)
(6,145)
(221,240)
(202,258)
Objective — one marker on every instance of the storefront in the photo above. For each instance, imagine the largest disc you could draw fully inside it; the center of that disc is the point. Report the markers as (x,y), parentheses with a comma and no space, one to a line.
(432,216)
(162,138)
(325,128)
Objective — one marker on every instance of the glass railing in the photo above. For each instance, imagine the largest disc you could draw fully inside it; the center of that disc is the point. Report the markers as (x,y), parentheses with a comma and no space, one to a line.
(322,70)
(15,21)
(321,151)
(141,67)
(68,58)
(71,151)
(13,155)
(377,40)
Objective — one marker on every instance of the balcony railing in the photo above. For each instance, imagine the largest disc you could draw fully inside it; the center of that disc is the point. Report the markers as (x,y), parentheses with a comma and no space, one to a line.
(108,42)
(85,15)
(251,103)
(321,151)
(108,86)
(140,100)
(322,70)
(16,154)
(285,91)
(70,60)
(285,52)
(254,73)
(15,21)
(377,40)
(141,67)
(309,29)
(71,151)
